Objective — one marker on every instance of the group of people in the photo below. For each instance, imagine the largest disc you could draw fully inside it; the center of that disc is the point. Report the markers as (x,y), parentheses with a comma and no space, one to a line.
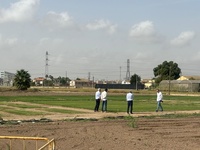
(101,96)
(129,98)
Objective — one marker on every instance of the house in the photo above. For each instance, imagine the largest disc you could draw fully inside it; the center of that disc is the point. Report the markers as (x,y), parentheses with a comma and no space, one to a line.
(148,83)
(126,82)
(39,81)
(81,83)
(189,78)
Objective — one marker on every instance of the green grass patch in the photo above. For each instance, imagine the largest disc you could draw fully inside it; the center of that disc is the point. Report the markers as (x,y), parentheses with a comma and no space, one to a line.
(132,121)
(23,112)
(116,103)
(184,115)
(21,105)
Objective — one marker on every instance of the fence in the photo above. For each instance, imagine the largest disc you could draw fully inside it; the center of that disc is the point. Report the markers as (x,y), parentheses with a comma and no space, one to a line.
(120,86)
(48,145)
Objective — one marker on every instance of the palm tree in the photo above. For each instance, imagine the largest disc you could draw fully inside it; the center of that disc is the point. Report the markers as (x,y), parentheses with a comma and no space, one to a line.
(22,80)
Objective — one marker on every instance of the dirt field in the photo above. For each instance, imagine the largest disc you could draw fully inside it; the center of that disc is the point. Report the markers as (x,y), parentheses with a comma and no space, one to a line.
(111,134)
(155,134)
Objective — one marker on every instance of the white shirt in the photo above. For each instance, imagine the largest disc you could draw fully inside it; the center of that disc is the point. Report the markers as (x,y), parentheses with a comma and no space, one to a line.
(104,96)
(98,95)
(159,96)
(129,97)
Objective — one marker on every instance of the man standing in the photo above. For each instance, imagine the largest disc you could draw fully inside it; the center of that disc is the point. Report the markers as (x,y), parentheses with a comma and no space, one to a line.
(129,99)
(98,98)
(104,100)
(159,100)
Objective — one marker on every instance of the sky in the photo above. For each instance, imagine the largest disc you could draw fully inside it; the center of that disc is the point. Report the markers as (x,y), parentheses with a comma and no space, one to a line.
(95,38)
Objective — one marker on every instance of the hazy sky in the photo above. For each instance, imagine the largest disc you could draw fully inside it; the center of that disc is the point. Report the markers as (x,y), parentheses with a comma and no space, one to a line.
(98,36)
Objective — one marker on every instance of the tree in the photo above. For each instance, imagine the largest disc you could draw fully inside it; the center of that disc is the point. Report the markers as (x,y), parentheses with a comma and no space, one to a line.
(51,77)
(135,79)
(166,71)
(48,82)
(64,81)
(22,80)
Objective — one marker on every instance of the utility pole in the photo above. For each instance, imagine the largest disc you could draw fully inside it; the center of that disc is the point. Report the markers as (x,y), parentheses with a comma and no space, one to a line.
(128,70)
(120,77)
(46,66)
(136,82)
(169,78)
(88,76)
(93,81)
(66,78)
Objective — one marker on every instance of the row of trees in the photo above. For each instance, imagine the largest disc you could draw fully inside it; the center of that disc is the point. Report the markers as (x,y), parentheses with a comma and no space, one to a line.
(165,71)
(60,81)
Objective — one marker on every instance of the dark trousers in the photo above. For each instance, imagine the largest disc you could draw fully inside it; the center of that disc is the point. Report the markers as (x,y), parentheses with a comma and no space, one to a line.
(96,108)
(130,107)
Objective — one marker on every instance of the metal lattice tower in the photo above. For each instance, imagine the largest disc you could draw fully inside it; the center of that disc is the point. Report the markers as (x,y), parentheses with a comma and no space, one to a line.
(128,70)
(46,65)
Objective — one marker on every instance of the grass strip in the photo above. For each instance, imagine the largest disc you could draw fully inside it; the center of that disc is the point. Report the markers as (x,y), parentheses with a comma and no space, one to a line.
(23,112)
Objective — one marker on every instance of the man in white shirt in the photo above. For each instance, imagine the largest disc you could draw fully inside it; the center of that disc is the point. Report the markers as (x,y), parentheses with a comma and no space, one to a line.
(129,99)
(159,100)
(98,99)
(104,100)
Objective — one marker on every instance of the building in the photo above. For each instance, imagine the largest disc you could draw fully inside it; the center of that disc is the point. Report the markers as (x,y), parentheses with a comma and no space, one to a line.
(7,78)
(180,85)
(126,82)
(148,83)
(39,81)
(81,83)
(189,78)
(1,81)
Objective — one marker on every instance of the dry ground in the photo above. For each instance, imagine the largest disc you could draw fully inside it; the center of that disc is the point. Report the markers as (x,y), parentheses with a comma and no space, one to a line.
(112,134)
(155,134)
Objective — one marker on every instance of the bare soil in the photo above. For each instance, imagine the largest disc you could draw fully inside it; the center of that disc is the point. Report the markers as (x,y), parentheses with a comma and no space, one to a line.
(139,133)
(95,133)
(155,134)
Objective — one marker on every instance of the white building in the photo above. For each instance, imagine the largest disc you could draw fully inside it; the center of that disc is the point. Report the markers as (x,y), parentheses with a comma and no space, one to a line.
(7,78)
